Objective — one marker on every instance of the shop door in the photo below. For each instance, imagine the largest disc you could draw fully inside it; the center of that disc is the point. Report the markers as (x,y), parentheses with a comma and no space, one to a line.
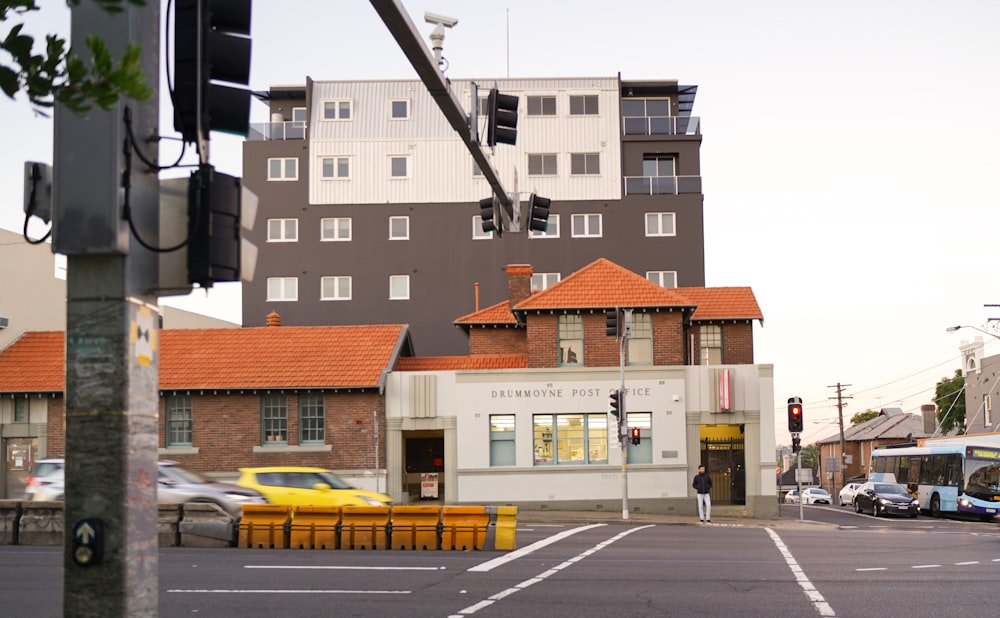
(723,460)
(19,456)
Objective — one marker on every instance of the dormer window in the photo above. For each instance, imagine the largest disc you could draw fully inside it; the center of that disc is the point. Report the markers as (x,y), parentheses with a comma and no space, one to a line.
(570,341)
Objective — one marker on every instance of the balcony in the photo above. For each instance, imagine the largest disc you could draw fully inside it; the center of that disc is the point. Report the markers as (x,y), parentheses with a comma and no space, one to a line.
(662,125)
(277,131)
(662,185)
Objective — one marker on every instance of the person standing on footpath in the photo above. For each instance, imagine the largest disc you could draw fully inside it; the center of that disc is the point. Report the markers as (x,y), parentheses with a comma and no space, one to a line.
(703,486)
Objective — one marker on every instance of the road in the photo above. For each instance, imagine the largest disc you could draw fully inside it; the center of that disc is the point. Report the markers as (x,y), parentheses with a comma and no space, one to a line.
(850,565)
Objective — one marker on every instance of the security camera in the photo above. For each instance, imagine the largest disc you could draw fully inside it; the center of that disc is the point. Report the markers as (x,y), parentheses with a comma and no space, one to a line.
(441,20)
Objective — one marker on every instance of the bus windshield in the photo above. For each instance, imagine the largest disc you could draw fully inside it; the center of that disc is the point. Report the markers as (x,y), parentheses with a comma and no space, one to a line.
(982,479)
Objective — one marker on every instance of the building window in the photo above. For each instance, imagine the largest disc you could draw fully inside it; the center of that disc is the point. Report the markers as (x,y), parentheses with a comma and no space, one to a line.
(399,228)
(542,165)
(663,278)
(336,167)
(660,224)
(312,419)
(399,287)
(283,169)
(335,229)
(541,281)
(642,452)
(399,109)
(282,288)
(337,110)
(586,226)
(335,288)
(282,230)
(640,341)
(180,420)
(475,169)
(542,106)
(647,117)
(710,342)
(299,114)
(502,451)
(570,340)
(570,438)
(274,419)
(551,230)
(583,105)
(658,166)
(477,229)
(20,410)
(988,411)
(399,167)
(585,163)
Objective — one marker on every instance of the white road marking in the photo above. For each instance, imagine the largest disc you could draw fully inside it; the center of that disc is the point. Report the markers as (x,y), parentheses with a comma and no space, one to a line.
(873,569)
(966,563)
(472,609)
(819,603)
(489,565)
(278,591)
(925,566)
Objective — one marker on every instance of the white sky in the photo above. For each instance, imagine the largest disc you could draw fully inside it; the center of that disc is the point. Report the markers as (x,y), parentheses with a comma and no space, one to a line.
(848,156)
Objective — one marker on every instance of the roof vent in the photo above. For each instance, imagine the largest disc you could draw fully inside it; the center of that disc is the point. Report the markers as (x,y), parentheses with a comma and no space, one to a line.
(273,319)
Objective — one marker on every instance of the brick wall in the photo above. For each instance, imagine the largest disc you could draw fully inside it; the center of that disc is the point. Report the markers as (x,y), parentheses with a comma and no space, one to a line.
(504,340)
(737,344)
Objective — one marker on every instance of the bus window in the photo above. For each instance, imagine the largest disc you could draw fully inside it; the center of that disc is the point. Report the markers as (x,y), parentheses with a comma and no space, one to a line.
(953,476)
(903,470)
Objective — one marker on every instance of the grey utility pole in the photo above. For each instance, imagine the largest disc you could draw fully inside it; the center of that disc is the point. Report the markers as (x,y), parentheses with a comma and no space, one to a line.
(843,443)
(110,566)
(626,333)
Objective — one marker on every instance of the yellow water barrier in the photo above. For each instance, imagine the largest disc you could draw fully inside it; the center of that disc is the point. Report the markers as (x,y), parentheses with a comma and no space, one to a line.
(464,527)
(315,527)
(265,526)
(506,528)
(364,527)
(416,527)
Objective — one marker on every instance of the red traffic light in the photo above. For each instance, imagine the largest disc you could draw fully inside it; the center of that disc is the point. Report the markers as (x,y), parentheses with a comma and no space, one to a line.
(636,436)
(794,415)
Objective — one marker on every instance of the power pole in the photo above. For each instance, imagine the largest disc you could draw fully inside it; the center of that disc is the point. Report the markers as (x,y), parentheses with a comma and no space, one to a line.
(101,190)
(840,413)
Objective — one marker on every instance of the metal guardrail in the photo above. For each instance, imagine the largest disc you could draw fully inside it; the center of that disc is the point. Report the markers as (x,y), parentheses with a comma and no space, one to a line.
(277,131)
(662,185)
(661,125)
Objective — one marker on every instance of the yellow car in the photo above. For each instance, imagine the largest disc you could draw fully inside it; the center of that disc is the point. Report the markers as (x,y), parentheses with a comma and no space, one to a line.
(307,486)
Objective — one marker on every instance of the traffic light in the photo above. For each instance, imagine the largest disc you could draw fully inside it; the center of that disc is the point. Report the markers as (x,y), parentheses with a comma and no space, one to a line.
(501,118)
(539,208)
(796,444)
(219,208)
(795,415)
(615,403)
(636,436)
(487,212)
(211,43)
(611,322)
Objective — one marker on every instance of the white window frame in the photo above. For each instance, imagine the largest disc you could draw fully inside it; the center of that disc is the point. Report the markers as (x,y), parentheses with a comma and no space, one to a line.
(658,219)
(585,97)
(336,237)
(284,174)
(544,157)
(587,159)
(658,277)
(406,159)
(288,230)
(588,218)
(300,114)
(399,280)
(551,231)
(333,110)
(542,98)
(392,109)
(477,229)
(406,221)
(543,281)
(336,168)
(288,289)
(336,280)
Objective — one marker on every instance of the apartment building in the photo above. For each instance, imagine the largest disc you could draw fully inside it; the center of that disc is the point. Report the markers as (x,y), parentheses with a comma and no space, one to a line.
(369,201)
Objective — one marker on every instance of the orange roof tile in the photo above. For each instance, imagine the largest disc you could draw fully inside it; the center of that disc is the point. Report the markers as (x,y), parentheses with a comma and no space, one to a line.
(34,363)
(496,314)
(457,363)
(723,303)
(603,284)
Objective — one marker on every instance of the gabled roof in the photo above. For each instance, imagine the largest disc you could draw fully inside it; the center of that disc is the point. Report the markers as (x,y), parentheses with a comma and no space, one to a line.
(883,427)
(603,284)
(496,314)
(458,363)
(723,303)
(232,358)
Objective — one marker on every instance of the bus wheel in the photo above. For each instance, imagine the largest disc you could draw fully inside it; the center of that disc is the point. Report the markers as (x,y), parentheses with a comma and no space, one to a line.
(935,506)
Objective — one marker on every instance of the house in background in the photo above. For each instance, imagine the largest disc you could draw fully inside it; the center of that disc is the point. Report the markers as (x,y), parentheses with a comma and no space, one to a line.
(982,387)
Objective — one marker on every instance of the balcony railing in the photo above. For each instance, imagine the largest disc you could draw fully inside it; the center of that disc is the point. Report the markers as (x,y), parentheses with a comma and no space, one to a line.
(662,185)
(276,131)
(662,125)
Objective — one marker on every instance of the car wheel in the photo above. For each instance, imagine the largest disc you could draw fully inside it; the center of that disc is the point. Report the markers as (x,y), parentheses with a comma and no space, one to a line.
(874,509)
(935,506)
(857,506)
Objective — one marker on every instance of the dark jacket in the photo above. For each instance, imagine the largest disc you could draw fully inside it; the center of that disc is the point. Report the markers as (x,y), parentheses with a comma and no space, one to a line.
(702,483)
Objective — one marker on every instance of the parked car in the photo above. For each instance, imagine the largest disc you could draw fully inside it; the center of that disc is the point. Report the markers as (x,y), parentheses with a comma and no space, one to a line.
(847,492)
(45,480)
(885,499)
(816,495)
(792,497)
(300,485)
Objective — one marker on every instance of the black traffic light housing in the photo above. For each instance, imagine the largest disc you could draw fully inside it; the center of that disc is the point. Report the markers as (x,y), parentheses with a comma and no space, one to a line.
(795,415)
(615,403)
(214,208)
(796,444)
(501,118)
(636,436)
(611,322)
(488,213)
(211,43)
(538,207)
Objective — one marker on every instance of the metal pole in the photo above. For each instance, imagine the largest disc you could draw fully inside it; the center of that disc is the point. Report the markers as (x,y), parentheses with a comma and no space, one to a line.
(623,427)
(798,482)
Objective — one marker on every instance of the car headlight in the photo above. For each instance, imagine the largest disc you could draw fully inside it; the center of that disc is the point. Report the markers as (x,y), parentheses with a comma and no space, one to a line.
(243,497)
(884,502)
(915,502)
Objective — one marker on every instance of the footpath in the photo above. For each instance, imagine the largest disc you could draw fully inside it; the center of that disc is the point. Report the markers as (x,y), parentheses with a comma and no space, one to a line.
(722,517)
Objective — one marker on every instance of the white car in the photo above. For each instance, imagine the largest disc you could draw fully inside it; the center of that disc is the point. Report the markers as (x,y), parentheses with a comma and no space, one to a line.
(847,493)
(816,495)
(792,497)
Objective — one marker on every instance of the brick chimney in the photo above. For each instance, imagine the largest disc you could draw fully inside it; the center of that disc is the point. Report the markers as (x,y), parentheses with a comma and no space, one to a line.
(273,319)
(518,283)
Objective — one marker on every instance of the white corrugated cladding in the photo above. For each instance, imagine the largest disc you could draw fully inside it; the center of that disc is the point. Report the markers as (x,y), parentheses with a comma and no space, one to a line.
(439,166)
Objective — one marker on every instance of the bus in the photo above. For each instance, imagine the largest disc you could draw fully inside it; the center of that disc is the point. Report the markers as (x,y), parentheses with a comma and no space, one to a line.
(956,477)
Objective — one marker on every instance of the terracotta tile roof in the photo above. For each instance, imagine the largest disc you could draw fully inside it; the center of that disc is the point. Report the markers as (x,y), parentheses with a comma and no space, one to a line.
(263,357)
(603,284)
(34,363)
(497,314)
(723,303)
(457,363)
